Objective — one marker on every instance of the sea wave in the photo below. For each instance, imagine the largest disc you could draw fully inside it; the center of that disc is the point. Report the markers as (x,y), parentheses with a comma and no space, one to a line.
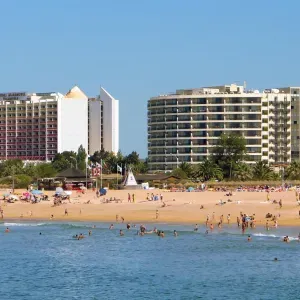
(291,238)
(8,224)
(265,235)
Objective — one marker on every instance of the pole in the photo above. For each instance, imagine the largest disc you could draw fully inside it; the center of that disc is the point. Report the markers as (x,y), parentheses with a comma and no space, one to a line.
(13,179)
(101,175)
(117,177)
(86,175)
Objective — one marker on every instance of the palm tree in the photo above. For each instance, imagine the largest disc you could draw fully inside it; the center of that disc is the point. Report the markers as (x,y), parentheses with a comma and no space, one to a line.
(243,172)
(186,168)
(261,171)
(209,170)
(292,172)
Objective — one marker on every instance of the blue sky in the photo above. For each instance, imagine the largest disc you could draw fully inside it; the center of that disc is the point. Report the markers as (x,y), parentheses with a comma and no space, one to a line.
(137,49)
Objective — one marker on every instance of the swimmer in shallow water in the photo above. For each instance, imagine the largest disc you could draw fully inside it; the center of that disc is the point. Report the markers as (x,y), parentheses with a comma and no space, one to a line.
(7,230)
(121,232)
(175,233)
(111,226)
(249,238)
(196,227)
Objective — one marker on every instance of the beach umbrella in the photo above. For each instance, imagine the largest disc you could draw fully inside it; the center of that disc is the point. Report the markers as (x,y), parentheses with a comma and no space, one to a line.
(102,192)
(59,190)
(36,192)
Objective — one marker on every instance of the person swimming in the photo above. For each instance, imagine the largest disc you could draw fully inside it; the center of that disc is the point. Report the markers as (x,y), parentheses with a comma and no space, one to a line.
(196,227)
(162,234)
(7,230)
(111,226)
(175,233)
(286,239)
(249,238)
(121,232)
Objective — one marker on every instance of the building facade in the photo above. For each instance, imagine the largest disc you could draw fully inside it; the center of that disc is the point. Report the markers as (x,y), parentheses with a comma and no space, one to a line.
(186,125)
(103,123)
(37,126)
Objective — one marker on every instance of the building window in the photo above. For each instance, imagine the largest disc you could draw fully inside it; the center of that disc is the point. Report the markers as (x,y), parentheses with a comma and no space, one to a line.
(292,107)
(295,122)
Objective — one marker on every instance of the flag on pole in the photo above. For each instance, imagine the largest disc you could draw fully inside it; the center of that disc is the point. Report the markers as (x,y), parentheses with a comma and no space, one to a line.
(119,169)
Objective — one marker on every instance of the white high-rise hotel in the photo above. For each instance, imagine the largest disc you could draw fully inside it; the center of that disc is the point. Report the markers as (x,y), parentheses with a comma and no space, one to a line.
(186,125)
(36,126)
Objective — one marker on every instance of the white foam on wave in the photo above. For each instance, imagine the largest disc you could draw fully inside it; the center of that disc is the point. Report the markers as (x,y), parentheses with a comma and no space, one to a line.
(23,224)
(291,238)
(267,235)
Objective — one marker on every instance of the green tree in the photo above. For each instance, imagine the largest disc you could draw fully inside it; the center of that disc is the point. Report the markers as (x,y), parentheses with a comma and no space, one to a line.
(208,170)
(242,172)
(229,151)
(178,172)
(10,166)
(261,171)
(186,168)
(99,155)
(292,172)
(132,158)
(81,158)
(44,170)
(64,160)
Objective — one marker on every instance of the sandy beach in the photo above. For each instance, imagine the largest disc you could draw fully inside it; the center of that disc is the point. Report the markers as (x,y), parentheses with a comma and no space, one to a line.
(181,207)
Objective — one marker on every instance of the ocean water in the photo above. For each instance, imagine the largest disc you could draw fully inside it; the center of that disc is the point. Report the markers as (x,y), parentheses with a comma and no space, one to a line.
(220,265)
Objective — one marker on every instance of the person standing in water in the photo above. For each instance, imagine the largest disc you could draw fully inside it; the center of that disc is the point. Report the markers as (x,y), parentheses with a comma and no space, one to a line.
(228,219)
(121,232)
(196,227)
(175,233)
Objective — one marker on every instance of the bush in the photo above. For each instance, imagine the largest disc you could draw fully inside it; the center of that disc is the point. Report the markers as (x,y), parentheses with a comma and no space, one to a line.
(21,181)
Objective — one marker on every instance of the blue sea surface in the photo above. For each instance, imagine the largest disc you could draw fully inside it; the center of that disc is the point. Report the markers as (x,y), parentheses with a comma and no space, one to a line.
(220,265)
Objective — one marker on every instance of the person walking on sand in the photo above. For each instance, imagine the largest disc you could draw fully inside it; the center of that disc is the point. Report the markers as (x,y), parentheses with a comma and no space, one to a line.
(133,198)
(66,212)
(280,203)
(129,198)
(117,218)
(238,221)
(157,214)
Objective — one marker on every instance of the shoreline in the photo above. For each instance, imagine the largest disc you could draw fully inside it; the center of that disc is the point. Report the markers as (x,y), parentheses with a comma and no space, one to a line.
(179,208)
(259,224)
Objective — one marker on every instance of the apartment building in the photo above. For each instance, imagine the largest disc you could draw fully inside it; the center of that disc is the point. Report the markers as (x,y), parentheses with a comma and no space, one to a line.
(36,126)
(103,123)
(186,125)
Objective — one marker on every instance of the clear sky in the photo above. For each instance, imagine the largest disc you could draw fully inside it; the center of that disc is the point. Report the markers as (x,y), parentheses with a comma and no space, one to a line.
(136,49)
